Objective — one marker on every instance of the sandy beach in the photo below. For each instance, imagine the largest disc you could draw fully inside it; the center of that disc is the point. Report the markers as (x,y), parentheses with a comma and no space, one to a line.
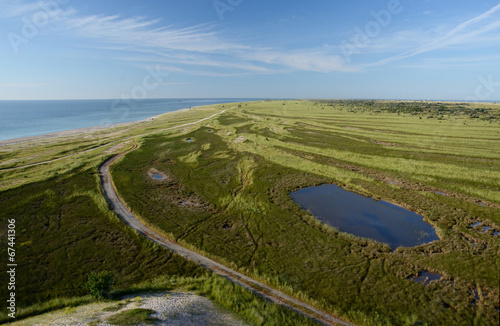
(74,132)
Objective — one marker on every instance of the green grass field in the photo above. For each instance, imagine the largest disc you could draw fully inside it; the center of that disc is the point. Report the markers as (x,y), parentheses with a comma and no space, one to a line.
(226,195)
(65,229)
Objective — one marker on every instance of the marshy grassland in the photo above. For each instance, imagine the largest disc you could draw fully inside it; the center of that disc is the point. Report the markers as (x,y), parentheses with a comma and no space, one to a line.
(225,193)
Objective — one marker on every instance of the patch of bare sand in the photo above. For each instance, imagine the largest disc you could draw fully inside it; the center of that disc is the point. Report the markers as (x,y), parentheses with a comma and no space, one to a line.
(169,308)
(240,139)
(116,148)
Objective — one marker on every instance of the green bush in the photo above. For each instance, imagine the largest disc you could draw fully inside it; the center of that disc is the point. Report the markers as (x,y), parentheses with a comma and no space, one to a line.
(99,284)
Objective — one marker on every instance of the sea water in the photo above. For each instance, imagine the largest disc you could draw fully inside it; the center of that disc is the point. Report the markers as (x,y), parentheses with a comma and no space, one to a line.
(33,118)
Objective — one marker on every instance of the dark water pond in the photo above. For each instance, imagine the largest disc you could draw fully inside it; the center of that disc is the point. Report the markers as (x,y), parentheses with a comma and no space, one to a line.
(365,217)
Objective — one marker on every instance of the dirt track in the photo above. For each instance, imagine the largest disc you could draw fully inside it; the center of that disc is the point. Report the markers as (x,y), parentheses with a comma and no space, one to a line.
(255,286)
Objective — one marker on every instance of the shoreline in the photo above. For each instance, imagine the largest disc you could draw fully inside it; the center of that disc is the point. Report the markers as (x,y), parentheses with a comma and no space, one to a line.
(74,132)
(187,103)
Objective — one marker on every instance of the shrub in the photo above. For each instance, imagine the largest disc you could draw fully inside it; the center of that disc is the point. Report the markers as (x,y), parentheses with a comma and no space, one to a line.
(99,284)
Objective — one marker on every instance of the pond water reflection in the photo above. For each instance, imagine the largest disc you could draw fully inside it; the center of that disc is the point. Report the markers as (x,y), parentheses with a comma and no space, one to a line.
(365,217)
(157,176)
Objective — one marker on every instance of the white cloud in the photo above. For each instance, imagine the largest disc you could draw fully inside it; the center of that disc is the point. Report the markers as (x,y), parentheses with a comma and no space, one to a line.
(150,40)
(197,45)
(138,32)
(17,8)
(471,31)
(312,60)
(456,62)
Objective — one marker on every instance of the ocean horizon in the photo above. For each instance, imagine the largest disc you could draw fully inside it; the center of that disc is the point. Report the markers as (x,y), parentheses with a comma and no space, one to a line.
(28,118)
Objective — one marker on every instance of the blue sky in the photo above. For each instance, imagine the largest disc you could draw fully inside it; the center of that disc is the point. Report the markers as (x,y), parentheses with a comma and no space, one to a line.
(391,49)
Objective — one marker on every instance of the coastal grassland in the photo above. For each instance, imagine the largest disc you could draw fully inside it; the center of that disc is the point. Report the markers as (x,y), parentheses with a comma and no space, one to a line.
(16,153)
(227,195)
(65,229)
(37,160)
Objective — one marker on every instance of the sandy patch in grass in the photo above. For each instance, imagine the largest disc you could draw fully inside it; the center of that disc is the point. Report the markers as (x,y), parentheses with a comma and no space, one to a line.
(240,139)
(116,148)
(170,308)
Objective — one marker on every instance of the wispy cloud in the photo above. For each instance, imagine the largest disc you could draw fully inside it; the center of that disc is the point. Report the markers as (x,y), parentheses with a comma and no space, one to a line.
(464,33)
(310,60)
(174,63)
(15,8)
(19,9)
(216,61)
(200,45)
(139,32)
(204,50)
(456,62)
(22,85)
(169,84)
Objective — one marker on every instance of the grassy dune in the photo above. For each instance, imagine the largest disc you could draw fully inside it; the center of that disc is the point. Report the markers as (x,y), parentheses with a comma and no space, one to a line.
(226,195)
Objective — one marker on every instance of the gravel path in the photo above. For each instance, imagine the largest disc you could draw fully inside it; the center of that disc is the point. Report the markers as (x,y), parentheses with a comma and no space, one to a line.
(171,308)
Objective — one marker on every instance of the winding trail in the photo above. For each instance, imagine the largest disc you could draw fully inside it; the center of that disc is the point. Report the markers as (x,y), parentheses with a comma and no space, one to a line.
(251,284)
